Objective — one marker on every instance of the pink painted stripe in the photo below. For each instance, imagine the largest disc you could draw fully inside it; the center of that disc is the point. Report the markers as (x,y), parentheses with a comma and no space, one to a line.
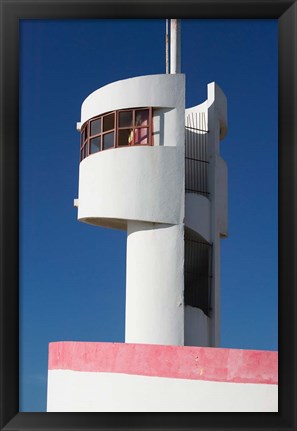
(197,363)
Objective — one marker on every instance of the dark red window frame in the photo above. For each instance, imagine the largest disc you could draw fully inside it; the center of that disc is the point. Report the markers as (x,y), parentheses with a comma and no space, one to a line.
(104,135)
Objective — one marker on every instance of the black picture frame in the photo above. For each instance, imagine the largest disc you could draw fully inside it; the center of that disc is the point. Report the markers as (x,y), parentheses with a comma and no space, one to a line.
(14,10)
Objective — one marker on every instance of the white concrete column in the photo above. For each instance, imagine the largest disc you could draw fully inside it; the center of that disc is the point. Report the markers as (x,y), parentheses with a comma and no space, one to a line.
(154,285)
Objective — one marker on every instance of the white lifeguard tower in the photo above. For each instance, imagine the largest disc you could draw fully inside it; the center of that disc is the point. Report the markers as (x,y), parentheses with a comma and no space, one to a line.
(153,168)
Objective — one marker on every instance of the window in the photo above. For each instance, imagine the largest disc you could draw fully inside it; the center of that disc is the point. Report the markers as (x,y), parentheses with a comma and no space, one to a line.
(117,129)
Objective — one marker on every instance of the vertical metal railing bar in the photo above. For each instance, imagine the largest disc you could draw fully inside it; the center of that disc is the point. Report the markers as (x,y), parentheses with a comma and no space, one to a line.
(197,146)
(205,148)
(202,153)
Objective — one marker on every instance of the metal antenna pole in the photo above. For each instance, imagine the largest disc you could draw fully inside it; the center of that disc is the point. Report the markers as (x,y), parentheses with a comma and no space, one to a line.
(167,53)
(175,58)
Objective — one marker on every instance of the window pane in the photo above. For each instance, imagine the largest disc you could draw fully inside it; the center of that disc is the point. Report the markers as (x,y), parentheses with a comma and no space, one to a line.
(125,137)
(142,117)
(95,145)
(125,119)
(141,136)
(108,122)
(108,140)
(95,127)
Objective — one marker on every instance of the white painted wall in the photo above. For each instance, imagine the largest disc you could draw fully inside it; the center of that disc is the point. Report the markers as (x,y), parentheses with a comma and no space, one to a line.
(154,284)
(198,327)
(76,391)
(197,215)
(133,183)
(160,129)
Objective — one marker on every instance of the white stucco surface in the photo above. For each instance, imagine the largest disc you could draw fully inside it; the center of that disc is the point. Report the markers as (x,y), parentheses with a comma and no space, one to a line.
(163,90)
(154,284)
(135,183)
(196,327)
(197,214)
(76,391)
(217,99)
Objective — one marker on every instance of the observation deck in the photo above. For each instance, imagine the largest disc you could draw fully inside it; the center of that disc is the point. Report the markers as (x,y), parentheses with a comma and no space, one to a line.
(132,152)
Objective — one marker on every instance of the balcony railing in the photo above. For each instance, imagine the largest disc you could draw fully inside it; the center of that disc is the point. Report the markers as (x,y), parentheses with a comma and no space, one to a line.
(196,154)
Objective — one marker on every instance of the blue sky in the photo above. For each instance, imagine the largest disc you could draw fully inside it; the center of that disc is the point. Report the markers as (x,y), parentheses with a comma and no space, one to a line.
(72,275)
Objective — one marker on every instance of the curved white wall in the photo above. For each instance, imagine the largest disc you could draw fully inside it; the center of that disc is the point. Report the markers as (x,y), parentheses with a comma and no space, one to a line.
(134,183)
(151,90)
(159,91)
(217,99)
(137,183)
